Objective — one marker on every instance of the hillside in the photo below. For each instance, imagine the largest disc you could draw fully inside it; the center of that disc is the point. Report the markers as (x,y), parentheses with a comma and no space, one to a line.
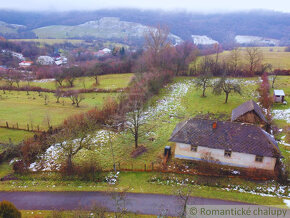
(10,28)
(104,28)
(220,27)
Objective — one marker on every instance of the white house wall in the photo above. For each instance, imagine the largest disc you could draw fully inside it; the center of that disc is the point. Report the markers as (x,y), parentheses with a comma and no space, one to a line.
(183,151)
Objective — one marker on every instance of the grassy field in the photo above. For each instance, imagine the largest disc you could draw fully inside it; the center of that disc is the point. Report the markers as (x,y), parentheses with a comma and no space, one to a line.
(16,136)
(50,41)
(5,169)
(110,81)
(18,107)
(272,55)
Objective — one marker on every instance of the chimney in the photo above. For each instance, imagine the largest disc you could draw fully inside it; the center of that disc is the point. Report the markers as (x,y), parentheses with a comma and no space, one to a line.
(214,125)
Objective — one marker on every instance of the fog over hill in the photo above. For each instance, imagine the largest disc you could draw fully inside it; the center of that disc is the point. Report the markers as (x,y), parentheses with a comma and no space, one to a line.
(222,27)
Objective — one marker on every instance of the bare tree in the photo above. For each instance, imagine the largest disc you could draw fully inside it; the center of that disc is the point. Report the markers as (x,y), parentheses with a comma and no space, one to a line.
(156,41)
(78,98)
(234,60)
(183,194)
(186,52)
(73,138)
(120,203)
(45,97)
(203,81)
(227,86)
(58,94)
(273,78)
(136,122)
(254,57)
(74,96)
(59,78)
(95,72)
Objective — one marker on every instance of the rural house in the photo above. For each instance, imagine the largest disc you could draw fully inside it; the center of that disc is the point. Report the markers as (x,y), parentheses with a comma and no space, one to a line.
(25,64)
(229,143)
(249,112)
(279,96)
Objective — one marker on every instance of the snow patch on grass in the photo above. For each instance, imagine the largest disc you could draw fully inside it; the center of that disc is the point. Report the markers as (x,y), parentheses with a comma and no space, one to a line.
(53,157)
(282,115)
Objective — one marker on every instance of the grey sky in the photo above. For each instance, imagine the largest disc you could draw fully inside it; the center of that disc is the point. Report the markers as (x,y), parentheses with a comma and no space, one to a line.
(190,5)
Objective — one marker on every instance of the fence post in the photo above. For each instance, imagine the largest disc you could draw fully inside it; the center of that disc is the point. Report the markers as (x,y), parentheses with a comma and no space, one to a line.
(38,128)
(152,166)
(132,167)
(145,167)
(7,125)
(27,127)
(17,125)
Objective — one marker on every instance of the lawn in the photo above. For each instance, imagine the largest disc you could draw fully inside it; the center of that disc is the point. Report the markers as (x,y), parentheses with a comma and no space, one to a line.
(110,81)
(272,55)
(16,136)
(50,41)
(18,107)
(5,169)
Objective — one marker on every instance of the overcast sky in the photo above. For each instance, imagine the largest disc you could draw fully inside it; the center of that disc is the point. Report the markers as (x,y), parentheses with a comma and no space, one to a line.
(189,5)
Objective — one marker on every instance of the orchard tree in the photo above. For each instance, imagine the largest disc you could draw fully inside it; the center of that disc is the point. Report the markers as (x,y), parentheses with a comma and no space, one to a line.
(224,85)
(95,72)
(59,78)
(75,96)
(58,94)
(73,138)
(203,81)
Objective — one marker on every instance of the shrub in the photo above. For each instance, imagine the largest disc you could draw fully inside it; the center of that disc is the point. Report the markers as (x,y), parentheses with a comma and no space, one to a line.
(89,170)
(19,166)
(8,210)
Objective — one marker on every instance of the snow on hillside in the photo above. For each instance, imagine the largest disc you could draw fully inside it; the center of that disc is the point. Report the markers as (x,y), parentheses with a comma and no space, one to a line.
(106,28)
(203,40)
(256,40)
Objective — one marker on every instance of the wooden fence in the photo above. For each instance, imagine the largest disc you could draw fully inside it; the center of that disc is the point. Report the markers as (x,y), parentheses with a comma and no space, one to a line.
(17,126)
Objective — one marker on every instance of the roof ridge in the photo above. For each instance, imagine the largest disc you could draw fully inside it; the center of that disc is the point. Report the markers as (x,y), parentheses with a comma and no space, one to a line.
(271,142)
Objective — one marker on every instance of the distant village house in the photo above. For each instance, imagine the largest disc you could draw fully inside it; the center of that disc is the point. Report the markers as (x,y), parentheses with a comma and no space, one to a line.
(25,64)
(45,60)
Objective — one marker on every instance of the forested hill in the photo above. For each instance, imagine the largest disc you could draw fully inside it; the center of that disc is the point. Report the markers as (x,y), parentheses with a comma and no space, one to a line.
(221,27)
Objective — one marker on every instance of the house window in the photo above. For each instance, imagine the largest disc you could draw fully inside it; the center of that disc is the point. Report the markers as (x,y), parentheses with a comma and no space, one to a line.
(259,158)
(228,153)
(194,148)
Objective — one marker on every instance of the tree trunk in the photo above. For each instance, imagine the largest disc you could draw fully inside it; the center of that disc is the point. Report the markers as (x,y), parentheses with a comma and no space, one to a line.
(203,91)
(69,164)
(136,141)
(227,96)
